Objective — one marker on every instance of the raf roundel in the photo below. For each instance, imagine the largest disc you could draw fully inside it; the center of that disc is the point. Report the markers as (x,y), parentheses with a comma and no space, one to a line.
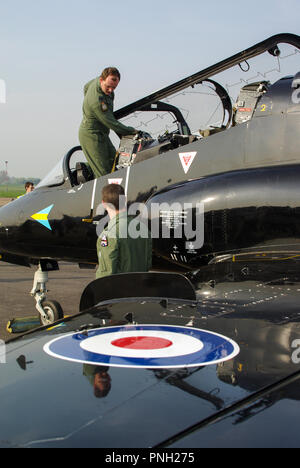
(144,346)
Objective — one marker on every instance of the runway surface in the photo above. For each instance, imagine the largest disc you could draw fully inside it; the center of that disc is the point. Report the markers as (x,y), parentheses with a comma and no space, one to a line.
(65,286)
(3,201)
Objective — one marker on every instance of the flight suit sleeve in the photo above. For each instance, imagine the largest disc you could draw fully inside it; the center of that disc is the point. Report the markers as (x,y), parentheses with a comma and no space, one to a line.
(86,87)
(108,119)
(108,256)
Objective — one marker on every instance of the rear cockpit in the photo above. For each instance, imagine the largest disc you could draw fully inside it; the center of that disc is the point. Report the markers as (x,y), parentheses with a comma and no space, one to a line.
(247,101)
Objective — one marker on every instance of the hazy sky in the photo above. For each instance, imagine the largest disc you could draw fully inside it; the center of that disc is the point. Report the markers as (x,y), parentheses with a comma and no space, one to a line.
(50,49)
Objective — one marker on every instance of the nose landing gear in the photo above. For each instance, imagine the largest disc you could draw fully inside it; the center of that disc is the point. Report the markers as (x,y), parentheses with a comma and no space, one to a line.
(49,311)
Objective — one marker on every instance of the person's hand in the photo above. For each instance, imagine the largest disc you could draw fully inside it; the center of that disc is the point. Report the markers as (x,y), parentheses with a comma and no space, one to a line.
(144,135)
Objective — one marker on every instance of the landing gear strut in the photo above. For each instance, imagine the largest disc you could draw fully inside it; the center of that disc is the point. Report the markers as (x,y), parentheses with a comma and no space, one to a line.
(49,311)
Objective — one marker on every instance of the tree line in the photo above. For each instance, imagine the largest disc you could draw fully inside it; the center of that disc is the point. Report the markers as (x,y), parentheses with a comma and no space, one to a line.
(7,180)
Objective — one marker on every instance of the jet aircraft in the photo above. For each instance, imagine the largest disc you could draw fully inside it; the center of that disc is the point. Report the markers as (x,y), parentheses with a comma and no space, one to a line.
(206,358)
(236,182)
(177,368)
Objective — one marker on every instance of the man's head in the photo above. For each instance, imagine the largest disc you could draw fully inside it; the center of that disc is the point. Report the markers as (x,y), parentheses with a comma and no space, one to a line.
(109,80)
(102,383)
(29,187)
(113,197)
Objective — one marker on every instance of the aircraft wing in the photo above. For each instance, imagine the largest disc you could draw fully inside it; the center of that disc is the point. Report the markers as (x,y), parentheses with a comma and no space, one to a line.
(221,370)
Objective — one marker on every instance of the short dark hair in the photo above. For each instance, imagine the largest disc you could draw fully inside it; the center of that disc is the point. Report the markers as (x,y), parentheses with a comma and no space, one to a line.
(28,184)
(111,194)
(110,71)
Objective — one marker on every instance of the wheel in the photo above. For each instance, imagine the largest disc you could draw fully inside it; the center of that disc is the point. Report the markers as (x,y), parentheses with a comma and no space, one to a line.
(53,311)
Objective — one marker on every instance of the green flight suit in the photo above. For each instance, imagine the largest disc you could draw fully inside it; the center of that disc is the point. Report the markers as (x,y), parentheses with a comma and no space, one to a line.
(98,120)
(118,252)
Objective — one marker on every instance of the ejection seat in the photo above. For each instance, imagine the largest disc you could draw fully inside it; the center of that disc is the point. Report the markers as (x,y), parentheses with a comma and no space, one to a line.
(83,173)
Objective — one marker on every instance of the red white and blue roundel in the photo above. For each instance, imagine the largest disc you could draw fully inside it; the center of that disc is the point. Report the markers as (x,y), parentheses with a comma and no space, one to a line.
(144,346)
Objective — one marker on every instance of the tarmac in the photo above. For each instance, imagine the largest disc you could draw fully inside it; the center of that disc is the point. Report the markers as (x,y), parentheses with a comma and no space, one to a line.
(3,201)
(65,286)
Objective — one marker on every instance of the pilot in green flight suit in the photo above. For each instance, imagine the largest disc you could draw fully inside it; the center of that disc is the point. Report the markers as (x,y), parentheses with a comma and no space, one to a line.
(98,120)
(118,252)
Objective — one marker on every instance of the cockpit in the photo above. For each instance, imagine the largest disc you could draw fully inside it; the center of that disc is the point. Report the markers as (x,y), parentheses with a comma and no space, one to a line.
(192,109)
(73,169)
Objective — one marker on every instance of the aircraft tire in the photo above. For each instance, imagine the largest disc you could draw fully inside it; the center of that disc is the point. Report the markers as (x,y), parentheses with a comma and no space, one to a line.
(53,310)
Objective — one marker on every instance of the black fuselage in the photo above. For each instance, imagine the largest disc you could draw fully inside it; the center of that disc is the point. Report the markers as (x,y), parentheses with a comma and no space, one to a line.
(247,178)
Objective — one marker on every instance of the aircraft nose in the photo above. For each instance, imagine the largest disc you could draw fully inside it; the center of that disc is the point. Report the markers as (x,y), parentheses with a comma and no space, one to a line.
(2,232)
(2,238)
(4,222)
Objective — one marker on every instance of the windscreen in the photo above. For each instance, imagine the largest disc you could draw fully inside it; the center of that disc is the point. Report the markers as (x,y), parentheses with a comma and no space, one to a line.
(55,177)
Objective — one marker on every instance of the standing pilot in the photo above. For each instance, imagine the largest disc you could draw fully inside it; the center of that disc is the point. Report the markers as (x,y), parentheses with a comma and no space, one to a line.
(98,120)
(118,250)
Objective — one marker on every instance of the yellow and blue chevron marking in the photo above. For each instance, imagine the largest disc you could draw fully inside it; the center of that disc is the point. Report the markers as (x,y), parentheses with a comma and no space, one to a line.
(42,217)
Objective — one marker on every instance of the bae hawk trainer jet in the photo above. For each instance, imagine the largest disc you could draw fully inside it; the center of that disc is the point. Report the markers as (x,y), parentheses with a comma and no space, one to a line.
(209,357)
(236,180)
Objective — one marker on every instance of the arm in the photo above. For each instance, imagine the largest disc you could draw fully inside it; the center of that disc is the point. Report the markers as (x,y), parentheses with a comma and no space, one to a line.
(110,256)
(108,119)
